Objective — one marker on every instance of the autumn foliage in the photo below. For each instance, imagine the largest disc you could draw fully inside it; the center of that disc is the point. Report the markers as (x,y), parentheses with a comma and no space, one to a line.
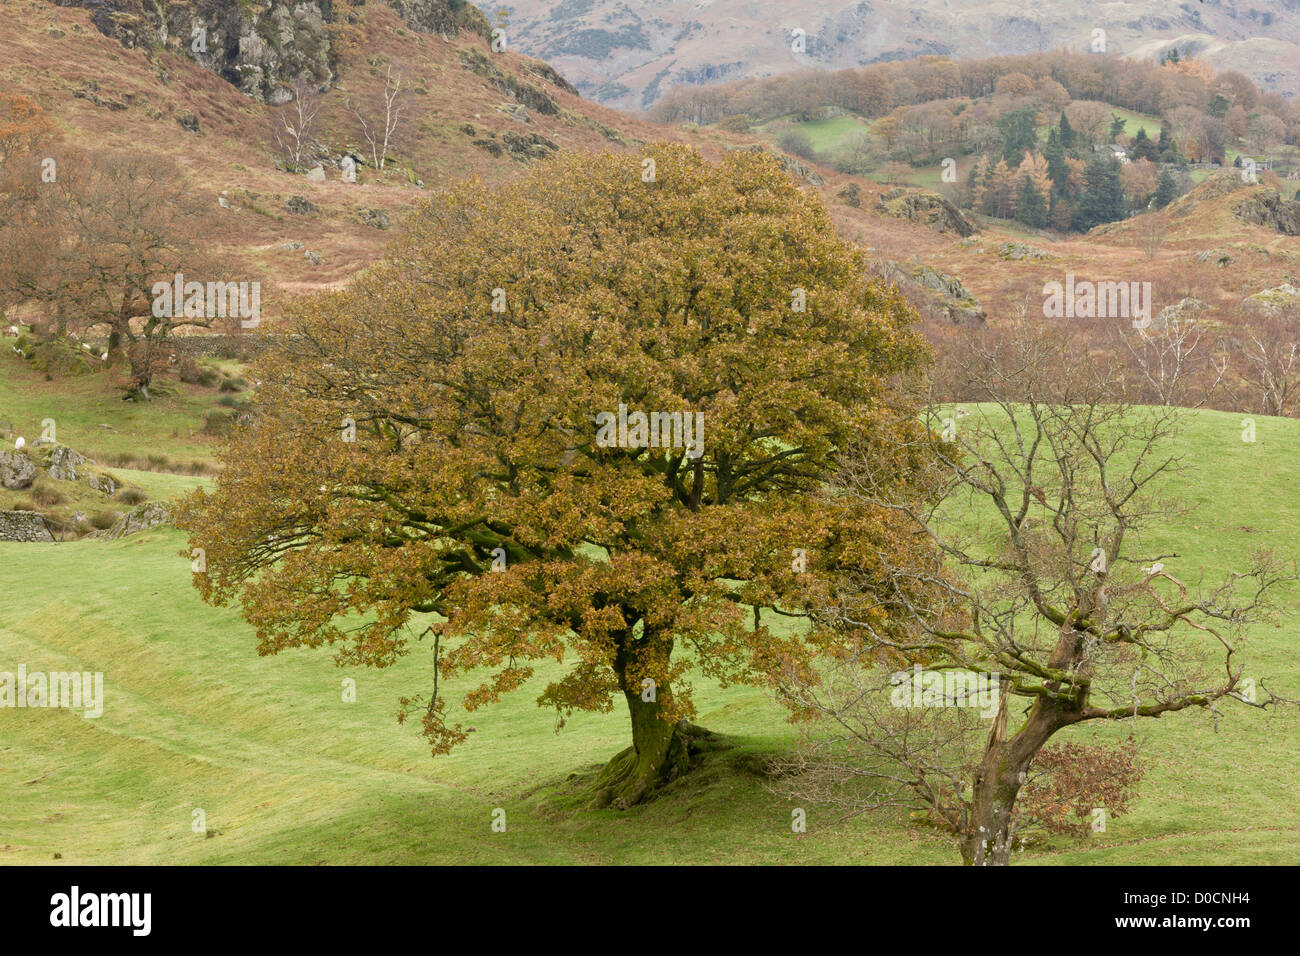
(473,516)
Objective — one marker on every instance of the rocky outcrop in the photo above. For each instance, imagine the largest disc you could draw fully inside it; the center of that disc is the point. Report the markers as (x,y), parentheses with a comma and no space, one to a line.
(934,294)
(531,96)
(67,464)
(790,165)
(958,305)
(1276,299)
(850,195)
(447,17)
(1220,257)
(143,517)
(1016,251)
(1268,208)
(261,46)
(531,146)
(26,526)
(929,209)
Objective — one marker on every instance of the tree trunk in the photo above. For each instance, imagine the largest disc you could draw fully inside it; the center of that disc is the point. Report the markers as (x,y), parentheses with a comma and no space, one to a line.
(990,832)
(661,750)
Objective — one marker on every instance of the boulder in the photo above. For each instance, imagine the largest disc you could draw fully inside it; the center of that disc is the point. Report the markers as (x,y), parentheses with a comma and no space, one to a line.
(374,217)
(17,471)
(61,462)
(102,482)
(142,517)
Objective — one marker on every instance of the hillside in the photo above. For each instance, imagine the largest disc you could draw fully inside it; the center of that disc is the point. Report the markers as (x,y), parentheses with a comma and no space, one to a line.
(628,55)
(469,112)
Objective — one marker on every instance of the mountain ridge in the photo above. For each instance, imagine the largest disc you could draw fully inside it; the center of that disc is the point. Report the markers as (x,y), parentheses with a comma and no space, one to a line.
(627,56)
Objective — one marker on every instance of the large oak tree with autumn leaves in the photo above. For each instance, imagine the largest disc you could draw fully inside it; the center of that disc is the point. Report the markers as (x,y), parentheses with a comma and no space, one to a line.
(676,291)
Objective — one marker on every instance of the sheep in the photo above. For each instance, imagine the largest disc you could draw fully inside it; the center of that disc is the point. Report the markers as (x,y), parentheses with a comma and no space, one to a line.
(20,444)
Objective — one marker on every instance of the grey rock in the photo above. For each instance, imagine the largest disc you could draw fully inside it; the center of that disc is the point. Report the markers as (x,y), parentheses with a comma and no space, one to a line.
(930,209)
(374,217)
(17,471)
(301,206)
(1018,250)
(1280,297)
(62,462)
(1182,311)
(142,517)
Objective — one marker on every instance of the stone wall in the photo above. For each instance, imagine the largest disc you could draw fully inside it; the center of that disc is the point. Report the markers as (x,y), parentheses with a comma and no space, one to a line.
(239,347)
(23,526)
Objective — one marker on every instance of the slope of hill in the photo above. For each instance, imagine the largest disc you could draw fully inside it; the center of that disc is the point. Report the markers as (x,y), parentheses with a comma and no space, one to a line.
(627,55)
(468,112)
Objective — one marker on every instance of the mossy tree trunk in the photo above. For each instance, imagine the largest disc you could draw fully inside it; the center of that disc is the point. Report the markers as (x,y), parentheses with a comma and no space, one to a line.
(661,749)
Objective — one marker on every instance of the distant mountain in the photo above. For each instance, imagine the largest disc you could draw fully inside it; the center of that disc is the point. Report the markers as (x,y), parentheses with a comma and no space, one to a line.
(627,55)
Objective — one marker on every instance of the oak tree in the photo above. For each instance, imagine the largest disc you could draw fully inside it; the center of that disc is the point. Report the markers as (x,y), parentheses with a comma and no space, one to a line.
(426,464)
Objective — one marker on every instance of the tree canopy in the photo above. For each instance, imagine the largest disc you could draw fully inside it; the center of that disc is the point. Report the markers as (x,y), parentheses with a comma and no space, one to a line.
(424,462)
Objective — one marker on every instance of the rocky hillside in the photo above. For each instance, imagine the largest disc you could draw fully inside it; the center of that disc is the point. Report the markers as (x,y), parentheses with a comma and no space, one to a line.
(264,47)
(471,112)
(201,81)
(627,55)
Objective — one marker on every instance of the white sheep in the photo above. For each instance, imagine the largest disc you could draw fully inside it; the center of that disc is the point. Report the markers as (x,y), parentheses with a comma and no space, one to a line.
(12,330)
(20,444)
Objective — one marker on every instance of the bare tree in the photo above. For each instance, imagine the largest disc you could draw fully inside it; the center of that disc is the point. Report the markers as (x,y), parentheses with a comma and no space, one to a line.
(1036,586)
(1272,350)
(1151,231)
(293,124)
(378,135)
(1170,358)
(99,240)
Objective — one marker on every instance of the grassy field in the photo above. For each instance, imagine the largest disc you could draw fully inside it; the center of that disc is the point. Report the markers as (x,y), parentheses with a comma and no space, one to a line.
(1136,121)
(89,414)
(286,772)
